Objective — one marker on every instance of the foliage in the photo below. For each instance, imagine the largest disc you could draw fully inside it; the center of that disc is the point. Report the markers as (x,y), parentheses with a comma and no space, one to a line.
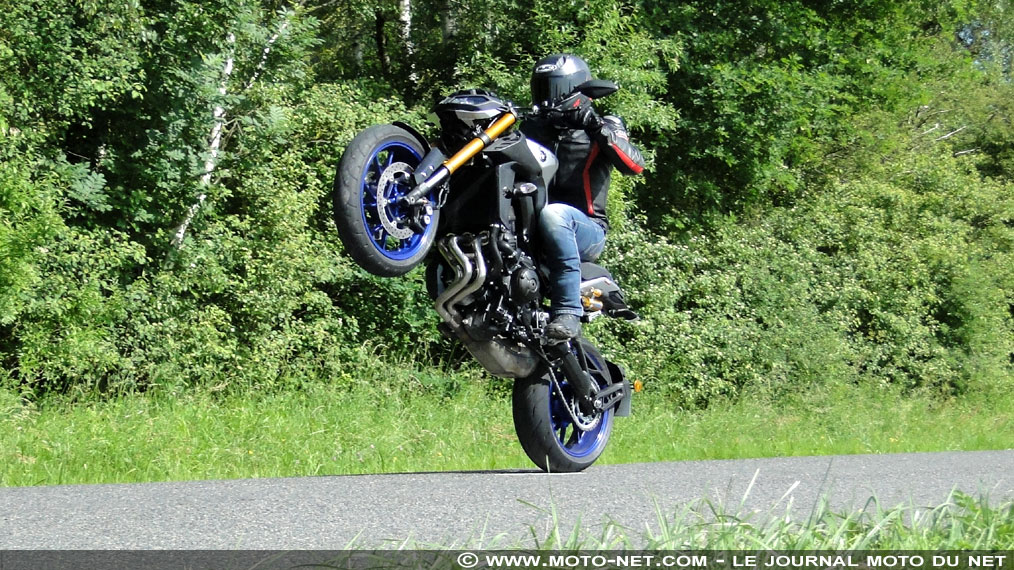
(767,87)
(829,198)
(62,61)
(899,277)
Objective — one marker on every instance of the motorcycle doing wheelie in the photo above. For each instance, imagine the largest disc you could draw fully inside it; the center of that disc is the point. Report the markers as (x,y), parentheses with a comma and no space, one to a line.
(476,194)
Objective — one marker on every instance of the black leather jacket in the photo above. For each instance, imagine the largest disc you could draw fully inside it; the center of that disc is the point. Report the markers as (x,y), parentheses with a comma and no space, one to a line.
(586,161)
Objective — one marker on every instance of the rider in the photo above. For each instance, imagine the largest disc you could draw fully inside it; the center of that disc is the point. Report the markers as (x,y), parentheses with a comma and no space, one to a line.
(573,225)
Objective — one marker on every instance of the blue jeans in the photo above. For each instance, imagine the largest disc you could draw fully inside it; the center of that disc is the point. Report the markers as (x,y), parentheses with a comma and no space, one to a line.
(568,237)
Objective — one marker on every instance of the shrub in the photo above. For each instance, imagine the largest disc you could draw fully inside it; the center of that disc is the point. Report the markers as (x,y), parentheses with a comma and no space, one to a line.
(897,277)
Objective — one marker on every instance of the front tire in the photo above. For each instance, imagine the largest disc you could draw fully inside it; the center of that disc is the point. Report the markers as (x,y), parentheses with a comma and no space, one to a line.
(374,172)
(546,431)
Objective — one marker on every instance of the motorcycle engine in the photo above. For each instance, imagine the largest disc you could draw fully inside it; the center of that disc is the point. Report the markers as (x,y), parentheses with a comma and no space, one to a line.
(524,286)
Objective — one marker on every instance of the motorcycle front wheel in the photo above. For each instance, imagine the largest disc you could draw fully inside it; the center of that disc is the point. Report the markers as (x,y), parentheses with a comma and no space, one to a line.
(547,431)
(375,171)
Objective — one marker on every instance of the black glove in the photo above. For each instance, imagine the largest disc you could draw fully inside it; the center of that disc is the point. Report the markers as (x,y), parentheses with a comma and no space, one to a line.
(583,117)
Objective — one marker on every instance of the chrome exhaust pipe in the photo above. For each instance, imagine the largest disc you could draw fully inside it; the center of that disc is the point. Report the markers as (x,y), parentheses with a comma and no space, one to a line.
(480,272)
(499,356)
(451,251)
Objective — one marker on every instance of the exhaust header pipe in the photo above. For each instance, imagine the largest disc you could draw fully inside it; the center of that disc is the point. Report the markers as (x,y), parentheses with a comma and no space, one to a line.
(501,357)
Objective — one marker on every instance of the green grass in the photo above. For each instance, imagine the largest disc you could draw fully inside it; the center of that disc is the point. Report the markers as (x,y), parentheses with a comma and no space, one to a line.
(830,420)
(421,421)
(962,522)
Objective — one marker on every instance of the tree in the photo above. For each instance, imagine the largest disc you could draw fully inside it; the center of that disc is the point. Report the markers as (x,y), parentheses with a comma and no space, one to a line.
(765,90)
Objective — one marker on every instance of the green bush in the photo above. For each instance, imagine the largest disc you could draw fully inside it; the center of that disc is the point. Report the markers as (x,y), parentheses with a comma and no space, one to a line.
(66,336)
(259,296)
(901,277)
(722,314)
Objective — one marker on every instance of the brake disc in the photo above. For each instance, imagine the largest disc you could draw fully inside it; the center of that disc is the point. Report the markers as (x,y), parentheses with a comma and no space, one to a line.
(394,174)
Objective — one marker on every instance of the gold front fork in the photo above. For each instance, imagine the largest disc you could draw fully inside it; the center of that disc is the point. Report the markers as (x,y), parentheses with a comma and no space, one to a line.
(464,155)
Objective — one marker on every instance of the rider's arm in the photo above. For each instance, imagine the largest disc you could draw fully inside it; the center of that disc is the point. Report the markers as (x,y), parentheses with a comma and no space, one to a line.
(615,143)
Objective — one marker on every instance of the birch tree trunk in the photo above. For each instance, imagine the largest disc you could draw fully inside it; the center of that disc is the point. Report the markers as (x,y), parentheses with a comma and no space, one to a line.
(449,24)
(218,117)
(357,53)
(267,50)
(214,144)
(406,38)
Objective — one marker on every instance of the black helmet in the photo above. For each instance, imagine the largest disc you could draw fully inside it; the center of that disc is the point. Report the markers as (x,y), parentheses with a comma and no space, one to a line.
(556,76)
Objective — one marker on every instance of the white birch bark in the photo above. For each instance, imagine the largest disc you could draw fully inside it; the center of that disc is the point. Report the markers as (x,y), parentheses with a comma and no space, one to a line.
(267,50)
(406,37)
(214,144)
(218,116)
(449,26)
(357,53)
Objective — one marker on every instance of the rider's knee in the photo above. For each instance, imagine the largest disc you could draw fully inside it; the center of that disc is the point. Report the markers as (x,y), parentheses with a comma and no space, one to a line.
(554,218)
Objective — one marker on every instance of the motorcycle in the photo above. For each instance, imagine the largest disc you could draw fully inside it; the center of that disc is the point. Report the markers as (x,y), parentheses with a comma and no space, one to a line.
(476,194)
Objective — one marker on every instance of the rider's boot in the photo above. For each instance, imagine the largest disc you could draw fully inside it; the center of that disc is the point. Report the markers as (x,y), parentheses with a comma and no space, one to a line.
(564,327)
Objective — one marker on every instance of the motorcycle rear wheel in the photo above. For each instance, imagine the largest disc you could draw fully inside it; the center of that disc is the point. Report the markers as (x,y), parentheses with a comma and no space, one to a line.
(547,432)
(375,170)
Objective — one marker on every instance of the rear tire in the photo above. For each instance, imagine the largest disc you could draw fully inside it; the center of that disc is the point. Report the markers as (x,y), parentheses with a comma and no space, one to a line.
(375,170)
(547,433)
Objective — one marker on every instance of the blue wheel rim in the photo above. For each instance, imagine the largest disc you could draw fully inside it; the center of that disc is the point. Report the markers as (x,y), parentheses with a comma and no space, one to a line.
(388,245)
(573,441)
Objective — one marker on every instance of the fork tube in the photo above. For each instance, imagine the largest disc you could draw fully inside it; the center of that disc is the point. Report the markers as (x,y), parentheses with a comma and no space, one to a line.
(477,144)
(461,157)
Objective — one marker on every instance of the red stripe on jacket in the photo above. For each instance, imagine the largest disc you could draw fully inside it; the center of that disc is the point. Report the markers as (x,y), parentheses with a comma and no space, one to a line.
(633,166)
(586,176)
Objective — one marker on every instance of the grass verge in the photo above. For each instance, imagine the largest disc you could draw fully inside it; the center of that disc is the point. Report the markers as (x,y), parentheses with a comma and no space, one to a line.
(425,423)
(962,522)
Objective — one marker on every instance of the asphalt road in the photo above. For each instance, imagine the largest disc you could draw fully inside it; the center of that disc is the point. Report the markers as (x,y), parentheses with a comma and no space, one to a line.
(504,508)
